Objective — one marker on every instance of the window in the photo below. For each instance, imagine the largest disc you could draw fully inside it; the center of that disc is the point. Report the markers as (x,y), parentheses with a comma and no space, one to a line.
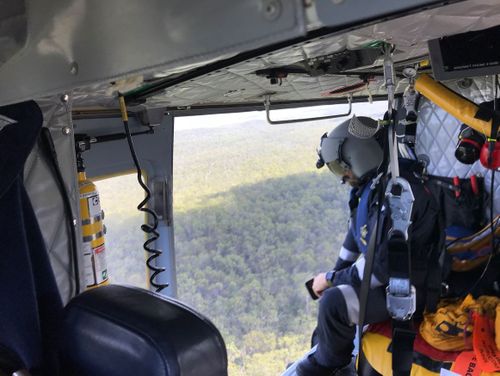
(253,220)
(124,253)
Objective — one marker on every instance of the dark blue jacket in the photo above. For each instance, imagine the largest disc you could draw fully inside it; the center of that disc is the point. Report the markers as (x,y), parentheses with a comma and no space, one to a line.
(424,234)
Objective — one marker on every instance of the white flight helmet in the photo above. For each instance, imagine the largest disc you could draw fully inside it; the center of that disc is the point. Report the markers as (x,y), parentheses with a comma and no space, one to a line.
(342,151)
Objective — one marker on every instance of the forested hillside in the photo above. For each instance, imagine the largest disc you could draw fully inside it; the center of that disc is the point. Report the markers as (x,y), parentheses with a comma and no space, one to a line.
(253,220)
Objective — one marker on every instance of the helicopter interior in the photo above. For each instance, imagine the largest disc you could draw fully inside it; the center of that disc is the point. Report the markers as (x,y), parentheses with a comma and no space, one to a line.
(84,67)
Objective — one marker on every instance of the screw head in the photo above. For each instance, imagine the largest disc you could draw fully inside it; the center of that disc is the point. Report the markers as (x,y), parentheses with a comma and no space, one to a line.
(271,9)
(73,68)
(66,131)
(465,83)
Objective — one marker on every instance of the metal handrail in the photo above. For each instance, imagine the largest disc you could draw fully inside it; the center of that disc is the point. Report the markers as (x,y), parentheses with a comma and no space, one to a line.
(267,106)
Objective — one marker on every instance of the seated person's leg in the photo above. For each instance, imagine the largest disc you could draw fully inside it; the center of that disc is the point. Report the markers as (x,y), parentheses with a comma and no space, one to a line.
(338,315)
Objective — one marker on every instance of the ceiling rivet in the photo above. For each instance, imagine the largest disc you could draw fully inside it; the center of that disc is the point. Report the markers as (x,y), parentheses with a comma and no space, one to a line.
(73,68)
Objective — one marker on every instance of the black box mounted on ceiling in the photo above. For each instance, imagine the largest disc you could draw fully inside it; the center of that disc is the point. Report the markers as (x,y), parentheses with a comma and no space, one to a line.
(476,53)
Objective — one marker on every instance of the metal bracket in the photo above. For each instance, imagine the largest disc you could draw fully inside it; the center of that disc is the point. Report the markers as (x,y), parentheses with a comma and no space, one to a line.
(151,117)
(400,198)
(267,106)
(401,306)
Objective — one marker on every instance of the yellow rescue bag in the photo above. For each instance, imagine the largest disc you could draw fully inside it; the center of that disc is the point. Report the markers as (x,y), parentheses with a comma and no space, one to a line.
(450,328)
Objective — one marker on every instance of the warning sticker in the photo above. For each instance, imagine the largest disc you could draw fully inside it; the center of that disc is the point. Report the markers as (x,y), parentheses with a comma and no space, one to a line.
(94,206)
(101,267)
(88,265)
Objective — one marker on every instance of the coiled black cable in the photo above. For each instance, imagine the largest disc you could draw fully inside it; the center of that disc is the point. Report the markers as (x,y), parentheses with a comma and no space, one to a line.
(151,230)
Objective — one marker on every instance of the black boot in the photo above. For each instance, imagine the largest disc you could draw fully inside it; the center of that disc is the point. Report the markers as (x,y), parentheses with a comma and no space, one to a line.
(310,367)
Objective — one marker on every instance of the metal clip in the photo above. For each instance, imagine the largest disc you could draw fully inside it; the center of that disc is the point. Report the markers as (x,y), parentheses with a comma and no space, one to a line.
(400,198)
(375,181)
(400,306)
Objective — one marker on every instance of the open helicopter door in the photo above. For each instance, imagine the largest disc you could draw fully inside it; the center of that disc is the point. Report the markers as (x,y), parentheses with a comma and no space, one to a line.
(109,154)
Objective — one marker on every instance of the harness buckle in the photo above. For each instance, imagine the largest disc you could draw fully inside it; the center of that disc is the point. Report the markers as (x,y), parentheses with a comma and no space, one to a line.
(401,295)
(401,299)
(400,198)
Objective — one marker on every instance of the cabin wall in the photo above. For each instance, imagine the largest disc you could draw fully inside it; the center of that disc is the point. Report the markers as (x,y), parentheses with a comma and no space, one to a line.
(46,198)
(155,154)
(437,136)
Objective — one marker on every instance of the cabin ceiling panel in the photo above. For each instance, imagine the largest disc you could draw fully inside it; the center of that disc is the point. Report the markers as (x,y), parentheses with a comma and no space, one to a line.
(74,43)
(13,28)
(239,84)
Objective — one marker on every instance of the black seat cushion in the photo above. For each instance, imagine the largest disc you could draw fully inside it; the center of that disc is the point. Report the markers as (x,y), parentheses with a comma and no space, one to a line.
(117,330)
(30,304)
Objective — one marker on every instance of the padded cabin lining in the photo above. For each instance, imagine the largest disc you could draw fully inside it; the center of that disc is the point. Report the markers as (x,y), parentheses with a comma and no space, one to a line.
(437,135)
(46,199)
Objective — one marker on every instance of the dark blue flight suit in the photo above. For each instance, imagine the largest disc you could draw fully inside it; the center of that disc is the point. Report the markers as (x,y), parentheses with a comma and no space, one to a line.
(339,305)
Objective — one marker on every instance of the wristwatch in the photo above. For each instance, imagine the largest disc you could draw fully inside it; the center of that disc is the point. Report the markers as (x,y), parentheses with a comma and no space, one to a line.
(329,277)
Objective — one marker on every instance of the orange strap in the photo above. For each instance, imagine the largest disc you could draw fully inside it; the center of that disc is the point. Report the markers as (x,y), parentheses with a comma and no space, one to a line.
(483,342)
(467,364)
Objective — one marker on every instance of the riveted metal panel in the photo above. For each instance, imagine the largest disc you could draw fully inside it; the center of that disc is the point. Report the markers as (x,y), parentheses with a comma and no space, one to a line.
(77,42)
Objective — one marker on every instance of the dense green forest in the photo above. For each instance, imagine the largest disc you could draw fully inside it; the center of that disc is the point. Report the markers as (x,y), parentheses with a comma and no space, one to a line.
(253,220)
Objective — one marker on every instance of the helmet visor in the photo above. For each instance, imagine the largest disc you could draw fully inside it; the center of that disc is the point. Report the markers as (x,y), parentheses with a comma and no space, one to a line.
(337,168)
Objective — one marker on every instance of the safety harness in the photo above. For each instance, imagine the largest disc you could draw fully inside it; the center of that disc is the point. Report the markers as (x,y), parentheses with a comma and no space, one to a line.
(401,295)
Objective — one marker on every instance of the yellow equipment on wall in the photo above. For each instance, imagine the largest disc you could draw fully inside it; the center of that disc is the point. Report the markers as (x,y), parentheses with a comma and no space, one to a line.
(96,270)
(456,105)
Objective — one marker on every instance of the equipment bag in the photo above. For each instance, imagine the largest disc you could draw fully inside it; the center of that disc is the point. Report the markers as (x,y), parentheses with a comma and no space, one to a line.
(461,203)
(472,251)
(451,327)
(427,360)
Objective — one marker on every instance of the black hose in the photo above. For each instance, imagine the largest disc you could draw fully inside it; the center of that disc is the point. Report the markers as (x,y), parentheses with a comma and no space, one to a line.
(151,230)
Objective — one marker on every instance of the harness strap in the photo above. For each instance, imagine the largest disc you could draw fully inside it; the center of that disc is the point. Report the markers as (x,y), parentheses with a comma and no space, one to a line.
(367,273)
(436,269)
(401,295)
(403,334)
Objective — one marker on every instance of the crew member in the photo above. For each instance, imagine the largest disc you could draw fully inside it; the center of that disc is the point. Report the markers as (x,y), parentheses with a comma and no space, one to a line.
(356,162)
